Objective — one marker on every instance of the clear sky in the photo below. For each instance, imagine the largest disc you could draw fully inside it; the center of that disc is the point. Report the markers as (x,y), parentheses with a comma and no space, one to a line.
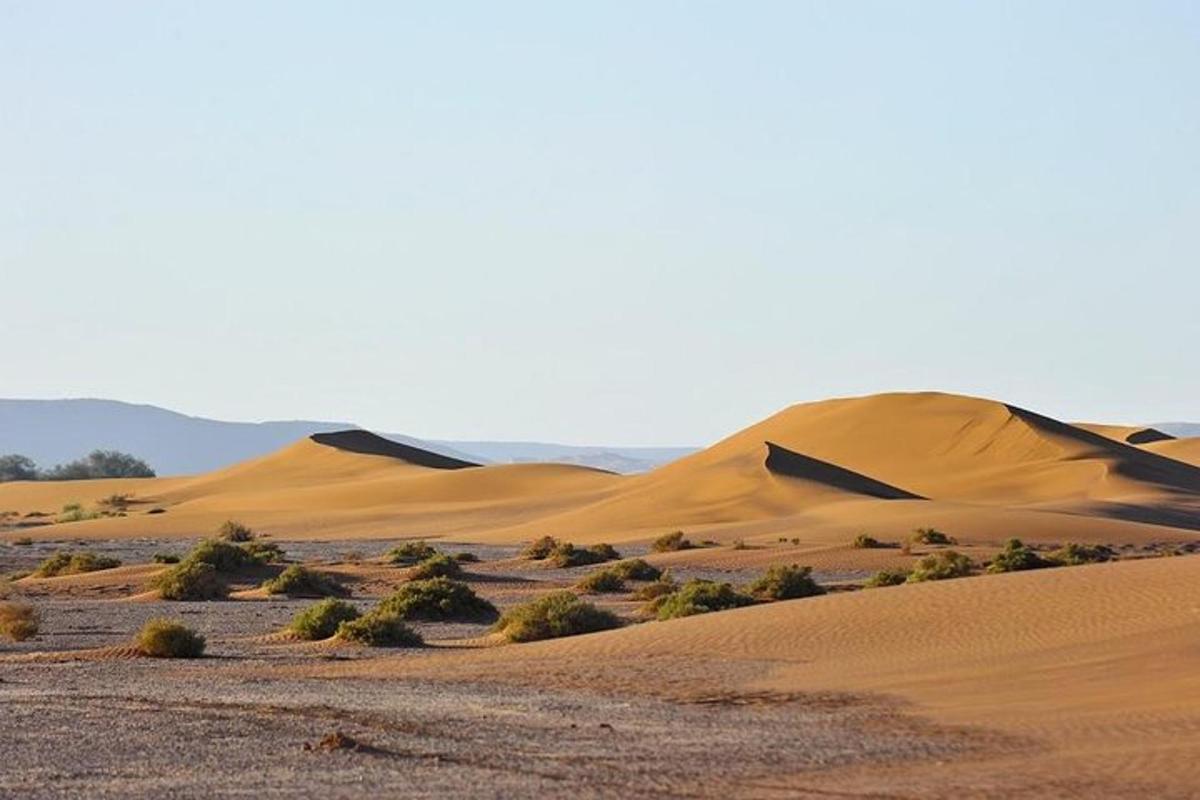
(616,222)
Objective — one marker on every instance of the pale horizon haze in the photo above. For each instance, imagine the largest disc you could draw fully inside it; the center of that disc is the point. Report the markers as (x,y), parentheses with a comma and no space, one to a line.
(617,223)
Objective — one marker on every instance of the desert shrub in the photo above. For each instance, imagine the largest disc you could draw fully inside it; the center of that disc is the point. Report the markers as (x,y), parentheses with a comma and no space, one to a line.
(602,581)
(438,566)
(655,590)
(931,536)
(115,502)
(866,542)
(1015,557)
(100,464)
(411,552)
(379,629)
(261,552)
(18,621)
(887,577)
(541,548)
(298,581)
(74,512)
(234,531)
(190,580)
(438,599)
(605,551)
(636,569)
(671,542)
(785,583)
(22,541)
(739,544)
(166,638)
(63,563)
(568,555)
(700,597)
(223,556)
(165,558)
(1073,554)
(556,614)
(466,558)
(321,620)
(940,566)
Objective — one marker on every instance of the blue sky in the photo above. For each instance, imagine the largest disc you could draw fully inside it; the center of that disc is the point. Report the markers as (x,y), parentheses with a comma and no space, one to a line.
(624,223)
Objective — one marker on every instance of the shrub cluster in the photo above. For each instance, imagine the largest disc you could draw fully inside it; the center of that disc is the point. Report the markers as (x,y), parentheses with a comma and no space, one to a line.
(671,542)
(866,542)
(74,512)
(785,583)
(887,577)
(1072,554)
(557,614)
(96,464)
(64,563)
(191,580)
(234,531)
(298,581)
(321,620)
(165,638)
(408,553)
(931,536)
(436,566)
(568,555)
(1016,557)
(636,569)
(540,549)
(197,576)
(699,597)
(438,599)
(605,580)
(379,629)
(941,566)
(18,621)
(652,591)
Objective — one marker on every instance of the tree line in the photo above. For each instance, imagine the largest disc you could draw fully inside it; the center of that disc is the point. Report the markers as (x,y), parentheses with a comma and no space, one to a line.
(96,464)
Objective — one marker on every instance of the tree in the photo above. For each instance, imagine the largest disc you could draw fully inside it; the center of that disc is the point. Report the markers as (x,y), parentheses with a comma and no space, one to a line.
(16,467)
(101,464)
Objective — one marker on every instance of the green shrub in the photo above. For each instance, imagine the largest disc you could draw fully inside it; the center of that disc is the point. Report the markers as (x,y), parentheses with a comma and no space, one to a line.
(165,638)
(438,566)
(654,591)
(941,566)
(297,581)
(1016,557)
(411,552)
(636,569)
(165,558)
(221,555)
(700,597)
(540,549)
(785,583)
(379,629)
(671,542)
(190,580)
(1072,554)
(261,552)
(605,551)
(438,599)
(74,512)
(557,614)
(233,531)
(931,536)
(18,621)
(602,581)
(866,542)
(63,563)
(321,620)
(466,558)
(887,577)
(568,555)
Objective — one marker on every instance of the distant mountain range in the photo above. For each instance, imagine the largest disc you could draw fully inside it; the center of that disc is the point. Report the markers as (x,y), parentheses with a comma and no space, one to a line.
(1181,430)
(56,431)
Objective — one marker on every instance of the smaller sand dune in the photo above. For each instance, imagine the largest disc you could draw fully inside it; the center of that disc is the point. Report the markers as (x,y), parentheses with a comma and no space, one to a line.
(367,443)
(1129,434)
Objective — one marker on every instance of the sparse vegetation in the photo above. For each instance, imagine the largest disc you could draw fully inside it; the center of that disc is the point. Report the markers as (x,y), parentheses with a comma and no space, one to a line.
(298,581)
(466,558)
(191,580)
(655,590)
(605,580)
(64,563)
(867,542)
(437,566)
(261,552)
(1073,554)
(887,577)
(782,582)
(19,621)
(671,542)
(700,597)
(165,558)
(165,638)
(636,569)
(1016,557)
(941,566)
(222,555)
(22,541)
(234,531)
(379,629)
(322,620)
(408,553)
(739,544)
(931,536)
(115,502)
(74,512)
(540,549)
(568,555)
(438,599)
(557,614)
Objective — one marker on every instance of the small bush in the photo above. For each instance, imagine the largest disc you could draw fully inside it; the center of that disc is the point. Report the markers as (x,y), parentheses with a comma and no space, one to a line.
(63,563)
(568,555)
(1072,554)
(261,552)
(866,542)
(636,569)
(931,536)
(887,577)
(322,620)
(739,544)
(700,597)
(1016,557)
(411,553)
(223,556)
(74,512)
(379,629)
(165,558)
(438,599)
(191,580)
(941,566)
(602,581)
(234,531)
(438,566)
(785,583)
(540,549)
(19,621)
(297,581)
(466,558)
(552,616)
(671,542)
(605,551)
(165,638)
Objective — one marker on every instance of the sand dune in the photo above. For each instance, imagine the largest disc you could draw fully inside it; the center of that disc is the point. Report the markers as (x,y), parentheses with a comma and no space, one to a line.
(1129,434)
(1186,450)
